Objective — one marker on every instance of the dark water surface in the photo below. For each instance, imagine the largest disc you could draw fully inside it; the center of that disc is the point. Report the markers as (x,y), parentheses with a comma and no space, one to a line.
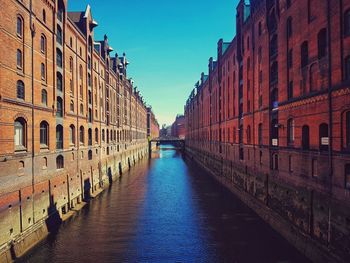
(165,210)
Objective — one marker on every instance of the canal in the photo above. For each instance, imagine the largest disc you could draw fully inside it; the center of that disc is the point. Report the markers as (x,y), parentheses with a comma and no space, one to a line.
(165,210)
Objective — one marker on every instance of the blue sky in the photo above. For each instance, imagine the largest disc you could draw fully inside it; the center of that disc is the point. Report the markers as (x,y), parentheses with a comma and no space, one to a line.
(168,43)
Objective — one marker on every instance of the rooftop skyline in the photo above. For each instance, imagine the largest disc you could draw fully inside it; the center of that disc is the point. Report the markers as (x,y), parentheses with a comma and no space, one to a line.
(168,44)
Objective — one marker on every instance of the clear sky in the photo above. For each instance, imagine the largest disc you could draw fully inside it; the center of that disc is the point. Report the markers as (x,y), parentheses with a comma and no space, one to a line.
(168,43)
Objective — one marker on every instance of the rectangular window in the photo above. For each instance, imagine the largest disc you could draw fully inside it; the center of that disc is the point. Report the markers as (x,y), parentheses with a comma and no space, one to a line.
(19,135)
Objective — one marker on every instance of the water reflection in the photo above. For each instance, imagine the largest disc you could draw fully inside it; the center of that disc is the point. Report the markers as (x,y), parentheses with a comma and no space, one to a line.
(165,210)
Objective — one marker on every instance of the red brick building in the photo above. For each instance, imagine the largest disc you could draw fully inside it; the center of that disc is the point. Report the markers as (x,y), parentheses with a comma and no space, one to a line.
(178,128)
(272,118)
(70,118)
(152,125)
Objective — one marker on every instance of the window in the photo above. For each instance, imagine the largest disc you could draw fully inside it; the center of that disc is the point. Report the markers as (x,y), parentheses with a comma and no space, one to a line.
(71,106)
(274,72)
(289,28)
(248,135)
(288,3)
(59,58)
(20,90)
(20,134)
(314,168)
(90,154)
(59,137)
(347,175)
(304,54)
(347,68)
(44,134)
(43,44)
(59,35)
(81,109)
(347,23)
(19,27)
(323,137)
(290,90)
(96,135)
(260,131)
(59,112)
(59,162)
(290,59)
(81,72)
(44,15)
(19,59)
(274,132)
(290,131)
(71,85)
(322,43)
(43,71)
(59,81)
(305,139)
(290,163)
(103,135)
(274,161)
(347,129)
(44,97)
(89,136)
(81,135)
(71,64)
(72,134)
(71,42)
(273,46)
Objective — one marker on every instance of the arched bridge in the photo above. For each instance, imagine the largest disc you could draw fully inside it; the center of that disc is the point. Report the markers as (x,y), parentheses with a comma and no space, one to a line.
(175,141)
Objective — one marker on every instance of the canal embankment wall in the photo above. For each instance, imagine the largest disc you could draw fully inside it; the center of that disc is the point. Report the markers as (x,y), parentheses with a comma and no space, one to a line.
(27,218)
(309,219)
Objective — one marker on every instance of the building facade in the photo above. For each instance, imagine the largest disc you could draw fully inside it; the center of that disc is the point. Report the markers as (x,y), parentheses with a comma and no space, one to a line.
(70,119)
(152,125)
(271,119)
(178,127)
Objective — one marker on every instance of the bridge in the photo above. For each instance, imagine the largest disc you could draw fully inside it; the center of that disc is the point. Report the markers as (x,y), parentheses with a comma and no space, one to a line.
(174,141)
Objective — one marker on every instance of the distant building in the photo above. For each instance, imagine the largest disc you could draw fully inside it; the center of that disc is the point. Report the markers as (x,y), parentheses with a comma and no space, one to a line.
(178,128)
(152,125)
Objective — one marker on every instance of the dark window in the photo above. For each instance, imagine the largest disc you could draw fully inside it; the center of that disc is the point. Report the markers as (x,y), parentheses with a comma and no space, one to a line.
(274,160)
(289,28)
(44,15)
(273,45)
(347,68)
(59,162)
(322,43)
(96,135)
(290,131)
(314,168)
(290,90)
(288,3)
(59,35)
(90,137)
(59,137)
(71,106)
(90,154)
(274,72)
(43,71)
(323,137)
(20,90)
(59,81)
(44,97)
(43,44)
(44,133)
(305,140)
(103,135)
(59,112)
(304,54)
(72,134)
(19,27)
(347,23)
(19,59)
(81,135)
(59,60)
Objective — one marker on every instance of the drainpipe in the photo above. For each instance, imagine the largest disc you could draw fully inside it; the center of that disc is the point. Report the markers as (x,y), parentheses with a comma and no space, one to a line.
(330,118)
(32,29)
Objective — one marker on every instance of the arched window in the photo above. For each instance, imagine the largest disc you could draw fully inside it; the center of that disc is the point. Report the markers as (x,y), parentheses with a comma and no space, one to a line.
(43,71)
(44,15)
(59,35)
(90,154)
(59,112)
(347,23)
(44,97)
(59,137)
(59,81)
(81,109)
(59,60)
(44,134)
(19,59)
(59,162)
(305,138)
(304,54)
(290,131)
(72,134)
(20,134)
(322,43)
(71,106)
(289,27)
(96,135)
(20,90)
(43,44)
(260,134)
(89,136)
(347,68)
(323,137)
(81,135)
(20,26)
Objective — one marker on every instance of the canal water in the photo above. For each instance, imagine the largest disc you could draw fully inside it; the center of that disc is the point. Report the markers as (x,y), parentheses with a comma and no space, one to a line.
(165,210)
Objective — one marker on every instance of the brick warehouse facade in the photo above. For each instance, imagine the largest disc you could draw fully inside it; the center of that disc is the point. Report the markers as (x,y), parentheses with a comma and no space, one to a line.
(70,119)
(271,120)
